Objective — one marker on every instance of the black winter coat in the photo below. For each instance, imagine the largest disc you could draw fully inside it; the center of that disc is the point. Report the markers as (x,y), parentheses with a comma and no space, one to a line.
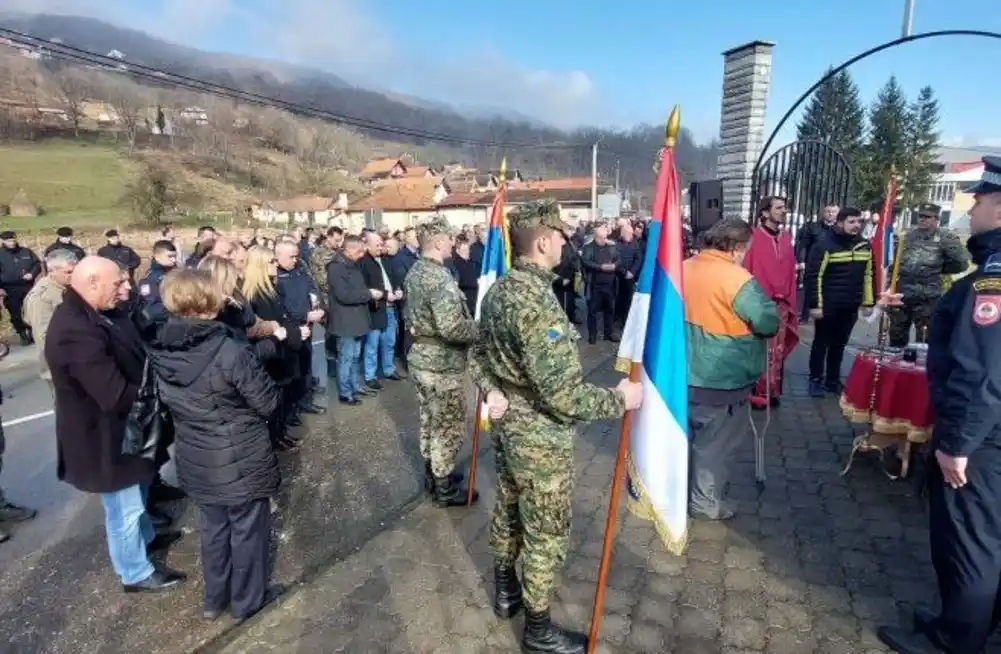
(372,271)
(97,366)
(839,273)
(283,363)
(15,263)
(221,400)
(349,297)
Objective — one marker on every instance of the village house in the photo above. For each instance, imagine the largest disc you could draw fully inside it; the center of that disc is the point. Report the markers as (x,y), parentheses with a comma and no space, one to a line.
(302,210)
(383,169)
(474,208)
(427,172)
(399,203)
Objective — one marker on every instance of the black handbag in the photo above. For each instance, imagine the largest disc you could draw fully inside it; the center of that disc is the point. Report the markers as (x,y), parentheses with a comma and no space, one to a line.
(149,426)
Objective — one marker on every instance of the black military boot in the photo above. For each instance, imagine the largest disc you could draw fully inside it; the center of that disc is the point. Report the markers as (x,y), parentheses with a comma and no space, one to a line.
(507,592)
(542,636)
(428,476)
(446,493)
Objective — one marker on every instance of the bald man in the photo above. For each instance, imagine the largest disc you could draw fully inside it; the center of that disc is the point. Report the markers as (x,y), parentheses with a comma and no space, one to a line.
(97,369)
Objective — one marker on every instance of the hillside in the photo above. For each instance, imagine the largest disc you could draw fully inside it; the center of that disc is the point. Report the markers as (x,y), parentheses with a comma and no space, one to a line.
(632,150)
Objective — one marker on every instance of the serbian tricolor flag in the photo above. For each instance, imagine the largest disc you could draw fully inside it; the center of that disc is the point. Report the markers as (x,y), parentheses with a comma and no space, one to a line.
(653,351)
(496,260)
(882,241)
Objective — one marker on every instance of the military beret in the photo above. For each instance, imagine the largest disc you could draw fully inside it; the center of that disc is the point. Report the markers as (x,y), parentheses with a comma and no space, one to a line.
(990,180)
(64,232)
(6,236)
(540,213)
(929,209)
(111,232)
(432,227)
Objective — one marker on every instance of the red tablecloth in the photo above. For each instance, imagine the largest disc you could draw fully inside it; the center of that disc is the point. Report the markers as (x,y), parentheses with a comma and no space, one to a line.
(902,405)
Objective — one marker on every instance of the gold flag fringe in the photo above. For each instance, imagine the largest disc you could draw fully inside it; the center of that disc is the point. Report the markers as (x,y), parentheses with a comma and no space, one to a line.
(623,365)
(642,508)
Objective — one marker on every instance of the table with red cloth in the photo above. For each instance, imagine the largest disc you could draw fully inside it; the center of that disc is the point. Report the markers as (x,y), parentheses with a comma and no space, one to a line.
(900,412)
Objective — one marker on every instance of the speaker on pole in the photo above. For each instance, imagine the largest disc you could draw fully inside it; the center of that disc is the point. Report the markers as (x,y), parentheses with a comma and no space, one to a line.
(706,203)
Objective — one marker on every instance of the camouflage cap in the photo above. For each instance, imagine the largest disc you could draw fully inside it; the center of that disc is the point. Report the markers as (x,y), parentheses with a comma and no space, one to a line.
(929,209)
(540,213)
(432,227)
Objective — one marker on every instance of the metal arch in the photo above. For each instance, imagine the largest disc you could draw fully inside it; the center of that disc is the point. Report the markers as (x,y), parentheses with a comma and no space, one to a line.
(810,174)
(853,60)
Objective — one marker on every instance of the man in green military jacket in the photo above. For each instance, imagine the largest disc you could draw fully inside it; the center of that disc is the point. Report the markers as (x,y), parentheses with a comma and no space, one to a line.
(527,348)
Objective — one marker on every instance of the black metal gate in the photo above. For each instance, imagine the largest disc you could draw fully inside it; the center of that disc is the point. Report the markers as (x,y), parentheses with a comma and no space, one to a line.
(809,175)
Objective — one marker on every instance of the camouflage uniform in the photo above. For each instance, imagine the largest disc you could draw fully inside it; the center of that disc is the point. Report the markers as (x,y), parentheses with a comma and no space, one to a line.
(527,348)
(925,256)
(318,262)
(438,318)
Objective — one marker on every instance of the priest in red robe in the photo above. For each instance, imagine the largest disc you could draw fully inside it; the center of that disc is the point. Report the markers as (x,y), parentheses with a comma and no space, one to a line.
(771,258)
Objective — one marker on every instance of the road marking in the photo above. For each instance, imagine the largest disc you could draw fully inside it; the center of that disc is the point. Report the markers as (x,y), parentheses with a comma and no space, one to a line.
(45,414)
(33,416)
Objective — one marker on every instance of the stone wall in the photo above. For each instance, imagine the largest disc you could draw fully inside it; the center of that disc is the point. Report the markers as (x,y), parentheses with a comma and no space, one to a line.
(747,75)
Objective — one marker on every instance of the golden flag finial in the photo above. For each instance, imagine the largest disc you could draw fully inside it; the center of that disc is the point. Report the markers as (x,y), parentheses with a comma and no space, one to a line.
(673,127)
(503,170)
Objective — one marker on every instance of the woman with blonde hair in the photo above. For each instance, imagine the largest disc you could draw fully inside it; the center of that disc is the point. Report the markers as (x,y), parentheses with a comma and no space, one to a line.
(237,312)
(221,400)
(258,288)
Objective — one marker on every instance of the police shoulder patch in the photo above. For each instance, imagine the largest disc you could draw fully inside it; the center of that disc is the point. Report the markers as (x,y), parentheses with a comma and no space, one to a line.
(993,265)
(986,309)
(144,289)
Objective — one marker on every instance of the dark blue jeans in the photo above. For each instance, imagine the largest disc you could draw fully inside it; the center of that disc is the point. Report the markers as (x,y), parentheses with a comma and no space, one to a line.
(349,381)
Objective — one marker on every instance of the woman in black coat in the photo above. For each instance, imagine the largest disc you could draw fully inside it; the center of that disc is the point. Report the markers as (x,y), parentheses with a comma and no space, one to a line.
(280,351)
(221,399)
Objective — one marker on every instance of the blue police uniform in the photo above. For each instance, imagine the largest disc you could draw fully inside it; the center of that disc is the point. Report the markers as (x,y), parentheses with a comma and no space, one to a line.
(151,314)
(294,288)
(964,376)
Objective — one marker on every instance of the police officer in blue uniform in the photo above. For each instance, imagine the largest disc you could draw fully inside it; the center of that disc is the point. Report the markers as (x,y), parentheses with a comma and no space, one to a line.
(964,375)
(151,312)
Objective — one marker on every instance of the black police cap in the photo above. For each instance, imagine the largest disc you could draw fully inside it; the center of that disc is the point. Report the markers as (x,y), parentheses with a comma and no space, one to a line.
(64,232)
(990,180)
(111,232)
(6,236)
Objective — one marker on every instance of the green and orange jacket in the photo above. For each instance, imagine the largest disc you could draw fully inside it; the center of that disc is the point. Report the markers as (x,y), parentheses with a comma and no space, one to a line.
(728,318)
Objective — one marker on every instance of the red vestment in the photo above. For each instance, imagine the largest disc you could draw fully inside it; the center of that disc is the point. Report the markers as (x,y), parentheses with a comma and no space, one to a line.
(772,260)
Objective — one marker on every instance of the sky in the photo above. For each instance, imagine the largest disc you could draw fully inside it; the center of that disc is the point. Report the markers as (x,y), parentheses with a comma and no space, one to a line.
(593,62)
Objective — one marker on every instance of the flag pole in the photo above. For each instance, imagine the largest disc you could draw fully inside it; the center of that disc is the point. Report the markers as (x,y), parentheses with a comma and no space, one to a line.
(618,476)
(476,448)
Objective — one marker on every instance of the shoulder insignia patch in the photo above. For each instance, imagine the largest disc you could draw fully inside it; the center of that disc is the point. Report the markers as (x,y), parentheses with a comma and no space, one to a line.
(555,332)
(987,284)
(986,310)
(144,290)
(993,265)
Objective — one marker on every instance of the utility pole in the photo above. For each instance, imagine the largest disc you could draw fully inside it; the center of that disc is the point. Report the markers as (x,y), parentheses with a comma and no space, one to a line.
(616,176)
(908,26)
(594,181)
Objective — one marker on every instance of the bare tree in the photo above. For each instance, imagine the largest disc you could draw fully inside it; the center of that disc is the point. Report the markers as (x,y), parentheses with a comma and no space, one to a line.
(221,129)
(315,155)
(74,88)
(130,103)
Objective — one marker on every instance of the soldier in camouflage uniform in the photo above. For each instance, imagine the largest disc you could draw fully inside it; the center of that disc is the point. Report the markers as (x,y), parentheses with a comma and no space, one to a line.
(926,253)
(323,254)
(527,349)
(442,330)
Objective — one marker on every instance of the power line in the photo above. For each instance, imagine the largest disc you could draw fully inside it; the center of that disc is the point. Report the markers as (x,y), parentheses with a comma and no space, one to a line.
(158,75)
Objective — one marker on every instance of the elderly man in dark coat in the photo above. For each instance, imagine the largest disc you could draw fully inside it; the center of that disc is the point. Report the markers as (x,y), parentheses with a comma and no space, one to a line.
(97,366)
(350,319)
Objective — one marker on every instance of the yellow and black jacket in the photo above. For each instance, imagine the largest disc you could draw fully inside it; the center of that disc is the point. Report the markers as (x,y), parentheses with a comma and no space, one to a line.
(839,273)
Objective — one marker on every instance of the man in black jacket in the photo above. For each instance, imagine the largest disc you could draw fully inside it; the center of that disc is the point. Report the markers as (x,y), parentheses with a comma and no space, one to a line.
(19,269)
(300,297)
(120,253)
(601,261)
(350,319)
(839,279)
(150,310)
(630,262)
(380,342)
(566,275)
(64,241)
(809,235)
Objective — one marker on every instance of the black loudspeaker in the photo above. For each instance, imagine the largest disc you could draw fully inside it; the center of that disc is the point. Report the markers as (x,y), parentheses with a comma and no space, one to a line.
(706,202)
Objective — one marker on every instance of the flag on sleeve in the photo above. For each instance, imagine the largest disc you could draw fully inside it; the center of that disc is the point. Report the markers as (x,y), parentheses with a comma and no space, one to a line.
(653,351)
(496,260)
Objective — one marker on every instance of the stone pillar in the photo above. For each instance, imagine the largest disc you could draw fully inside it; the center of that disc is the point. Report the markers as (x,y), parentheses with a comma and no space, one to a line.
(747,75)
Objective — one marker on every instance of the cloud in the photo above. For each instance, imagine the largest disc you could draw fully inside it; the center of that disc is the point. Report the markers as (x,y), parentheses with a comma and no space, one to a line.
(344,37)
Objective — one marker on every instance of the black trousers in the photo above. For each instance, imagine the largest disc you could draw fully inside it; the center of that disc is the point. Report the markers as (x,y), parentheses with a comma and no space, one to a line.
(304,382)
(403,339)
(567,297)
(235,547)
(601,301)
(624,298)
(13,301)
(831,334)
(965,530)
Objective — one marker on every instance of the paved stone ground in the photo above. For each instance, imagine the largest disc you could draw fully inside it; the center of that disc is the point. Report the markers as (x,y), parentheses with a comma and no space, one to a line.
(811,564)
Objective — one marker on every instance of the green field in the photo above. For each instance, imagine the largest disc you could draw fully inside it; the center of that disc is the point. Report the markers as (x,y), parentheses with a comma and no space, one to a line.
(75,184)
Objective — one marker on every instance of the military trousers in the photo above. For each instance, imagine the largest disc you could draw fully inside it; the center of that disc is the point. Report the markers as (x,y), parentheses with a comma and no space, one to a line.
(965,537)
(911,313)
(531,518)
(441,403)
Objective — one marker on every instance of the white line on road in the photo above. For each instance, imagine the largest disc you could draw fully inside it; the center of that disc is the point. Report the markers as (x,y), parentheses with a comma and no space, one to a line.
(33,416)
(46,414)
